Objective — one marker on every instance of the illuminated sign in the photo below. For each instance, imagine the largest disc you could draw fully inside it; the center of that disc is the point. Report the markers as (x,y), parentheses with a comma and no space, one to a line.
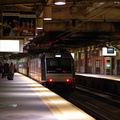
(108,51)
(57,55)
(9,46)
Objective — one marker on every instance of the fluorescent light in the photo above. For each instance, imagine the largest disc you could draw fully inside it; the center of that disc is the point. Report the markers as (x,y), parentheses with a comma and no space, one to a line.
(47,18)
(39,28)
(47,13)
(39,23)
(60,2)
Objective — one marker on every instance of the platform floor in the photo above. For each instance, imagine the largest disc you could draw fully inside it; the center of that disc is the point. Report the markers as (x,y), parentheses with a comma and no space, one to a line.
(25,99)
(110,77)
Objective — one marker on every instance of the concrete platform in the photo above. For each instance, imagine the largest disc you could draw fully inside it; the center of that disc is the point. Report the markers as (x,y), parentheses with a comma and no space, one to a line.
(25,99)
(108,77)
(106,83)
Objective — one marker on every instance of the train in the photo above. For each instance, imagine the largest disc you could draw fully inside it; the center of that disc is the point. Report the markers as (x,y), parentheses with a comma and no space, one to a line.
(49,69)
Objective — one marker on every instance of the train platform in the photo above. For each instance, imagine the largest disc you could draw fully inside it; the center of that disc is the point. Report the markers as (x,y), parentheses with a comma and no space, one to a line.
(105,83)
(109,77)
(26,99)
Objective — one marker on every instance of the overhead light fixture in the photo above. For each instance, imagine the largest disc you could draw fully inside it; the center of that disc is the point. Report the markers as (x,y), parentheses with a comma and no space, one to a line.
(47,13)
(39,23)
(60,2)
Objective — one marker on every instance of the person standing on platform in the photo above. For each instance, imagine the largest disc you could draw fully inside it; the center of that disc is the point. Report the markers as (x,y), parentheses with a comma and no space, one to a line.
(5,68)
(2,70)
(11,70)
(0,67)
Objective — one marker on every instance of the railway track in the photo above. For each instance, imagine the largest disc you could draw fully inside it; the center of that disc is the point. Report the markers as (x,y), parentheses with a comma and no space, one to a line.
(102,106)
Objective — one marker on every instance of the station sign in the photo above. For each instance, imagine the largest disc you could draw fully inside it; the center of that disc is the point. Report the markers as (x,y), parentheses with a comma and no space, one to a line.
(108,51)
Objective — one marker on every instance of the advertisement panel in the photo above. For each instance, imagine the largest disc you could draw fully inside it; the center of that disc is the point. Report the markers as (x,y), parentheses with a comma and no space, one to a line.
(9,46)
(19,24)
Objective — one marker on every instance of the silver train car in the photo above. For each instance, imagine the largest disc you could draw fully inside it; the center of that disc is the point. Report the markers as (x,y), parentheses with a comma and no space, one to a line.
(50,69)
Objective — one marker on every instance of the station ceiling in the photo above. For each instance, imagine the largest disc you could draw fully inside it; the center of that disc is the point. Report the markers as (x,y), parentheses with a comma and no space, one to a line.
(77,24)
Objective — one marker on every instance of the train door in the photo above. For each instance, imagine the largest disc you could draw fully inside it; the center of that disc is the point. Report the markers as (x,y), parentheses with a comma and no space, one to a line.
(97,66)
(43,68)
(108,65)
(118,66)
(89,65)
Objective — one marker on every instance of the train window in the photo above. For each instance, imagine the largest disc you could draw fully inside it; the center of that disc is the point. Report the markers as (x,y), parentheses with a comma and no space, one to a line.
(53,62)
(58,65)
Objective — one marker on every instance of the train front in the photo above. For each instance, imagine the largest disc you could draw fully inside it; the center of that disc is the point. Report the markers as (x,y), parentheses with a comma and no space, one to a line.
(60,70)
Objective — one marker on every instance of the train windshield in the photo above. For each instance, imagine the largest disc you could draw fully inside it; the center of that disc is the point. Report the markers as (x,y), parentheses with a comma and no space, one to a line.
(58,65)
